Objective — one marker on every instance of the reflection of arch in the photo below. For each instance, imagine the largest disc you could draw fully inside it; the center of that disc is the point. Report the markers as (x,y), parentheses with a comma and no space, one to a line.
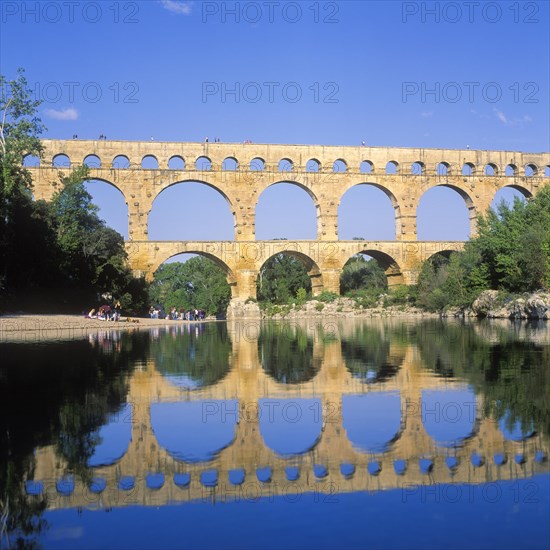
(372,421)
(114,438)
(287,354)
(513,429)
(290,426)
(449,416)
(386,262)
(388,194)
(194,431)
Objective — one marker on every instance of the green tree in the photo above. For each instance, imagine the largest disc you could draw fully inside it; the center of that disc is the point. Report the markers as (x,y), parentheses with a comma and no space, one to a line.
(198,283)
(280,279)
(362,274)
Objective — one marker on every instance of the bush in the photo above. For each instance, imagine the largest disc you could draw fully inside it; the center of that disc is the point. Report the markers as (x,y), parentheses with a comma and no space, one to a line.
(327,297)
(319,306)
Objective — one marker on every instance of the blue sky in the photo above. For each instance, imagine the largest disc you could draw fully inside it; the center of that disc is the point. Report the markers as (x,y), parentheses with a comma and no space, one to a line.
(340,73)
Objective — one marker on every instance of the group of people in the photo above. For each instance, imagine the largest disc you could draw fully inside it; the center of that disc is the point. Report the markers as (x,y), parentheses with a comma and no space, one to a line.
(106,312)
(216,140)
(175,315)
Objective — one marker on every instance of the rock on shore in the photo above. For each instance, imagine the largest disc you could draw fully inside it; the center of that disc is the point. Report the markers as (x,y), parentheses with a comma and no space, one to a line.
(496,305)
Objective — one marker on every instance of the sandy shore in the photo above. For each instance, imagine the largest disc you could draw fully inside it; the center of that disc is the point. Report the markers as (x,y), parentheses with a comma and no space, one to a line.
(33,328)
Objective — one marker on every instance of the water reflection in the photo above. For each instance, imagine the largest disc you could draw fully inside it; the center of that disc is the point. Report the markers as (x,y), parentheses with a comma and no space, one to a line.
(174,415)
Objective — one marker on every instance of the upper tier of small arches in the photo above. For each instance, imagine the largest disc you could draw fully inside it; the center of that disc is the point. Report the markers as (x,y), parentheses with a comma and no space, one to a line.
(286,164)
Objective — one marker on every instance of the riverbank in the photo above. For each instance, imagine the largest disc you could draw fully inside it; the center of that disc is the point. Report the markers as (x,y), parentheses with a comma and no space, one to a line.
(29,327)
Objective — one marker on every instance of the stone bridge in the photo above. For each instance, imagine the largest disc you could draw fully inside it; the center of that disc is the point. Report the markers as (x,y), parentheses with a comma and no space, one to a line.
(249,467)
(241,172)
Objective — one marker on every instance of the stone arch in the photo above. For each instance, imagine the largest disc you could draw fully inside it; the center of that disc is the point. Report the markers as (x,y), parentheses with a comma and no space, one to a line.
(511,170)
(313,165)
(92,161)
(312,268)
(547,171)
(61,160)
(176,162)
(366,167)
(387,192)
(491,169)
(339,165)
(418,168)
(470,205)
(200,182)
(468,169)
(230,164)
(121,161)
(285,165)
(531,169)
(305,188)
(31,161)
(390,266)
(392,167)
(182,248)
(523,190)
(203,163)
(443,168)
(149,162)
(257,164)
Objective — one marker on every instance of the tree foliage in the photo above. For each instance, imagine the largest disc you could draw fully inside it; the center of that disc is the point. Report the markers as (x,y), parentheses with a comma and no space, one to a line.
(511,253)
(281,278)
(198,283)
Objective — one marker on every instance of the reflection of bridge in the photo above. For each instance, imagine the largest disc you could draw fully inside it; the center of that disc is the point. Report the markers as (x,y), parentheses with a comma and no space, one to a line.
(240,173)
(249,466)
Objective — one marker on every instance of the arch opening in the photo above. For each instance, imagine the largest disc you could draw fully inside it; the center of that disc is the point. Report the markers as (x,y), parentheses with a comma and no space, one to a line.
(92,161)
(511,170)
(443,169)
(339,165)
(287,210)
(468,169)
(191,280)
(183,210)
(531,170)
(313,165)
(366,167)
(257,164)
(150,162)
(285,165)
(367,211)
(176,163)
(361,276)
(509,194)
(418,168)
(286,276)
(31,161)
(61,161)
(490,169)
(230,163)
(121,162)
(392,167)
(203,164)
(113,209)
(443,214)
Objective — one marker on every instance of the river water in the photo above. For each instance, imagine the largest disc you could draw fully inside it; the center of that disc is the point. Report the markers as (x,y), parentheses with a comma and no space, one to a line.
(317,434)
